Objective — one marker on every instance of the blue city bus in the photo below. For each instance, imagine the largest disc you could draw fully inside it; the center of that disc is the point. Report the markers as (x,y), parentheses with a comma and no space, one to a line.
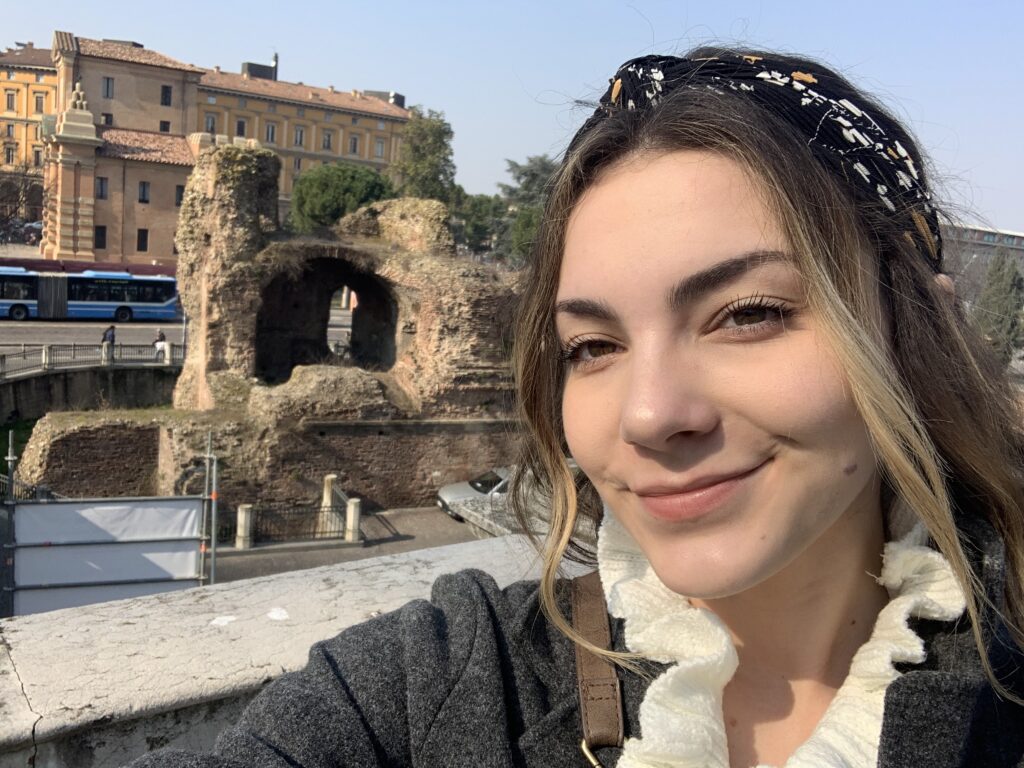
(90,295)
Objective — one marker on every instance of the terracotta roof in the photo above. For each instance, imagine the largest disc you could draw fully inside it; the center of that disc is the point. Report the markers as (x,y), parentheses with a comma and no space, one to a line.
(117,50)
(37,58)
(302,95)
(146,146)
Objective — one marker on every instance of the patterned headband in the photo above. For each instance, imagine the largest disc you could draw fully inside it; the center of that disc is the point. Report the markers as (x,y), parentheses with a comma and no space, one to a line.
(866,149)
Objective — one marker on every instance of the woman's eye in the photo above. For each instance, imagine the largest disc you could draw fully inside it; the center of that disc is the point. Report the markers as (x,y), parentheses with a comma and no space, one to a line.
(587,350)
(753,315)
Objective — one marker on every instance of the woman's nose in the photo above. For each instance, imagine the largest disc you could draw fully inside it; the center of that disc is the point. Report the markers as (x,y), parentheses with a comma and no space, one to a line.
(665,398)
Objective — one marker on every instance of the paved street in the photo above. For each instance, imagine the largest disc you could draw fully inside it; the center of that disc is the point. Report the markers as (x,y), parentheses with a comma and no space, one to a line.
(89,332)
(387,533)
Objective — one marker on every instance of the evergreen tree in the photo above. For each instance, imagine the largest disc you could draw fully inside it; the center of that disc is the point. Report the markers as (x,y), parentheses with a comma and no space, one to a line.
(525,198)
(324,194)
(998,311)
(425,167)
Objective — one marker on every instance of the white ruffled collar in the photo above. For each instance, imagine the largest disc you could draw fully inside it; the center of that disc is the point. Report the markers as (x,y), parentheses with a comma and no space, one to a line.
(681,722)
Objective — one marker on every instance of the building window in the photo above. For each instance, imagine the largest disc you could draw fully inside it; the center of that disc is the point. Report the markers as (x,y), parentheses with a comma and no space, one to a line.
(143,191)
(242,102)
(102,188)
(353,145)
(10,74)
(211,123)
(326,139)
(10,130)
(99,238)
(211,99)
(40,77)
(328,117)
(142,241)
(40,99)
(38,132)
(271,108)
(179,195)
(9,155)
(165,126)
(108,87)
(271,134)
(298,164)
(107,119)
(240,128)
(166,92)
(300,111)
(11,95)
(378,148)
(381,125)
(355,121)
(300,136)
(37,157)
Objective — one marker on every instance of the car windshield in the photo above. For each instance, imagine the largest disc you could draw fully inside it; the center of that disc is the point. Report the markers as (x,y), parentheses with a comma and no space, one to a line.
(486,482)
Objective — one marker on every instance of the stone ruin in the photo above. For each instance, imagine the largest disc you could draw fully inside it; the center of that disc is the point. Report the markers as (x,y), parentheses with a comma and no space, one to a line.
(422,398)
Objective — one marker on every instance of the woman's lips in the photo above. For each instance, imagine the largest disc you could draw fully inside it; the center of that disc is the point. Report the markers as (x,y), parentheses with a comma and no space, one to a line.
(684,505)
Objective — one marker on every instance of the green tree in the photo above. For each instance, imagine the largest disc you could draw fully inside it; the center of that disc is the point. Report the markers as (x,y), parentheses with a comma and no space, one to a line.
(525,199)
(530,181)
(425,167)
(998,311)
(476,219)
(324,194)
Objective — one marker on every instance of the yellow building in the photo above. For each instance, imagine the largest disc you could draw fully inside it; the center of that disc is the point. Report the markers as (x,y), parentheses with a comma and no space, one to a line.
(308,126)
(133,120)
(28,85)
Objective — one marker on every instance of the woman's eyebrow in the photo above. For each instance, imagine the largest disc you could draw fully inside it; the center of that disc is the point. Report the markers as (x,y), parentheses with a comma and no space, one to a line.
(586,308)
(697,285)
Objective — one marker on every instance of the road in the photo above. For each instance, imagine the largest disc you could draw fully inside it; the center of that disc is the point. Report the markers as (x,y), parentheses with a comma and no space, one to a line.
(139,332)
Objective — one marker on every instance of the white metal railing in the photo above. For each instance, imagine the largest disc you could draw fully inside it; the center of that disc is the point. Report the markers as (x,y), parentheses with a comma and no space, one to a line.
(30,359)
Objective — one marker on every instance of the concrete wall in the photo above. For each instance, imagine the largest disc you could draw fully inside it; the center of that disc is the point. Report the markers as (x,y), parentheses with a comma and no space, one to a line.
(88,389)
(98,686)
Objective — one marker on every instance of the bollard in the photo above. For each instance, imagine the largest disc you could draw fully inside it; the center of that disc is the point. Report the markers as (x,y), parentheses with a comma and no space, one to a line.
(352,513)
(327,498)
(45,358)
(106,353)
(246,521)
(329,523)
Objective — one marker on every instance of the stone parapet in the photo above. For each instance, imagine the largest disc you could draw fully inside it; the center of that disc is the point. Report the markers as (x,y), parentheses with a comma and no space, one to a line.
(100,685)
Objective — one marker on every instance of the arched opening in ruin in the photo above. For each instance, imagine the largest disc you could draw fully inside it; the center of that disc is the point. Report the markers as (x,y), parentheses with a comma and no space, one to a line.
(294,317)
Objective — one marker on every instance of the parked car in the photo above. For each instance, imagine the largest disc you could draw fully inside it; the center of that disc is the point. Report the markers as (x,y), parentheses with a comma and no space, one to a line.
(491,486)
(483,502)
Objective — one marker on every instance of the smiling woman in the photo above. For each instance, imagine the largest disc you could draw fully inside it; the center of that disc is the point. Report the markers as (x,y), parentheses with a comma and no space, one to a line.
(804,469)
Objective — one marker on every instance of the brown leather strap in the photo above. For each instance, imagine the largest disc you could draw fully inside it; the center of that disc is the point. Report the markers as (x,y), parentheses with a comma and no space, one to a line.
(600,694)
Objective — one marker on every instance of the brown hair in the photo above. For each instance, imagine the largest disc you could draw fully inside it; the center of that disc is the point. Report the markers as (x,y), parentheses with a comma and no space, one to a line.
(941,413)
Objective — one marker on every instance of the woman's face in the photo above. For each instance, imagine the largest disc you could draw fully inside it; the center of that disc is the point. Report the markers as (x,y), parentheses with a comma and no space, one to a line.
(701,397)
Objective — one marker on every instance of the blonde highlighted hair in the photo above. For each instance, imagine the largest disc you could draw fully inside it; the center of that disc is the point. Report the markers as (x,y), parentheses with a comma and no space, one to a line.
(944,420)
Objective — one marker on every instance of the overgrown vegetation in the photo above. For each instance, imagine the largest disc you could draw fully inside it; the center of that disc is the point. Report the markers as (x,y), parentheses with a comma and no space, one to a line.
(22,432)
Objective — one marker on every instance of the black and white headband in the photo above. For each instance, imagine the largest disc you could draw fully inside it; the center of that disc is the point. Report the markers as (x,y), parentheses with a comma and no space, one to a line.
(866,148)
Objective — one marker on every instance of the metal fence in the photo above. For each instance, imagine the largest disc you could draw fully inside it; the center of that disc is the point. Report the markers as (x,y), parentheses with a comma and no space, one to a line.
(24,491)
(29,359)
(287,522)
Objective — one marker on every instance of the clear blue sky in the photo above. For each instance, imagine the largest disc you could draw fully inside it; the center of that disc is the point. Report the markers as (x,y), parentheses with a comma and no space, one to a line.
(506,74)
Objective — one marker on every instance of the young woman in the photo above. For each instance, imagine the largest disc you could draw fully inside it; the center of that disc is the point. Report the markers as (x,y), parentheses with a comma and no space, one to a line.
(804,466)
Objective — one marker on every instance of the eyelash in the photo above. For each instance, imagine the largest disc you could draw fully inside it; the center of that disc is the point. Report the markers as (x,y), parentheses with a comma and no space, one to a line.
(568,354)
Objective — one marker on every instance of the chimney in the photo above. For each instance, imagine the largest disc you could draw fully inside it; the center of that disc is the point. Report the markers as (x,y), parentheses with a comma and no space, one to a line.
(245,75)
(330,88)
(274,65)
(217,69)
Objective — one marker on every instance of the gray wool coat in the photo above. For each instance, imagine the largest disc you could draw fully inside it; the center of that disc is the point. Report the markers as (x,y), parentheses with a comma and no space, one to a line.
(478,678)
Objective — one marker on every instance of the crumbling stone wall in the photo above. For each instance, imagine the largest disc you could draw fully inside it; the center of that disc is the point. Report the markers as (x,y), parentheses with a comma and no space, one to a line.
(423,399)
(92,457)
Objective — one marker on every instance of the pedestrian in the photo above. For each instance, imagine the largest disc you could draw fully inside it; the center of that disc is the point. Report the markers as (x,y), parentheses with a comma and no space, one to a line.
(804,464)
(107,346)
(160,345)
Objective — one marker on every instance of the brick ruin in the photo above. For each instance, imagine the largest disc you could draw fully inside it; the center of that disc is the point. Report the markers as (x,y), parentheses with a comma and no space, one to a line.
(423,397)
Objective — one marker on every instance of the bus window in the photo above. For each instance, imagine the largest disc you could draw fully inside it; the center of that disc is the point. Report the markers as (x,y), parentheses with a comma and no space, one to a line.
(19,288)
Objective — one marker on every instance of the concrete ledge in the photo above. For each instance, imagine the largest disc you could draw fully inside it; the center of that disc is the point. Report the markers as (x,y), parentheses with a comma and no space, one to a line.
(100,685)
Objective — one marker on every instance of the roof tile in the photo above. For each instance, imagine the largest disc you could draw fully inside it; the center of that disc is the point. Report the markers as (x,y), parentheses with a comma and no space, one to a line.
(305,95)
(146,146)
(37,58)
